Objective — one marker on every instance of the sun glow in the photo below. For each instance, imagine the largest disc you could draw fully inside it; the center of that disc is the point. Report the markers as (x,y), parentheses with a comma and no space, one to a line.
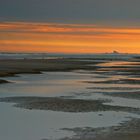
(67,38)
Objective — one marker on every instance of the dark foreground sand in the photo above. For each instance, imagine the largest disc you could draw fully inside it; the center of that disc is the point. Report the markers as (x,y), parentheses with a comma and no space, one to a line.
(3,81)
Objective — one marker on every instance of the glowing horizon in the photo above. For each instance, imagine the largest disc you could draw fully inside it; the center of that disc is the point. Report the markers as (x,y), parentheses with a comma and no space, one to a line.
(67,38)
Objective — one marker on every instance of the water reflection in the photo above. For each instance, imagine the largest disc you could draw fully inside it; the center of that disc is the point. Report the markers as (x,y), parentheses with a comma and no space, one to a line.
(119,63)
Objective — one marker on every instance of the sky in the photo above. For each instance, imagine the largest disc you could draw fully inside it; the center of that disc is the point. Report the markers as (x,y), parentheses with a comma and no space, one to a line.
(70,26)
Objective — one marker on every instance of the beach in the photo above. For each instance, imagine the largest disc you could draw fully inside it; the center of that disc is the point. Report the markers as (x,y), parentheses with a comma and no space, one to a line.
(76,98)
(70,70)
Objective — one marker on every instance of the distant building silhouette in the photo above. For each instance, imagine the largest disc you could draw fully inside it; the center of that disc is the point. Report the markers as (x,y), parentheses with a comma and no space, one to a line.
(115,52)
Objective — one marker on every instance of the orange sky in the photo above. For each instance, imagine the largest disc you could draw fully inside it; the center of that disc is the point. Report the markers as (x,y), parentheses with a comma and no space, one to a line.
(67,38)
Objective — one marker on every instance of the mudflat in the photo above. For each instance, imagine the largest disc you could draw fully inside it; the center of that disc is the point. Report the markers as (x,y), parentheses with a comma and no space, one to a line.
(126,131)
(18,66)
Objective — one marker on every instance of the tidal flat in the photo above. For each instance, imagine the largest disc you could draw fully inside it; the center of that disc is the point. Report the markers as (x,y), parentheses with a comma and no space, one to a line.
(70,99)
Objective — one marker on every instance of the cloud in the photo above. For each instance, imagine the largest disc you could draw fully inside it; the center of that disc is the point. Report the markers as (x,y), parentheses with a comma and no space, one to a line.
(63,37)
(63,28)
(70,10)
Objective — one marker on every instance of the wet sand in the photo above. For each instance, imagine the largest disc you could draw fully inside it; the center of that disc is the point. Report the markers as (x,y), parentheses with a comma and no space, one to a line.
(127,131)
(131,95)
(120,81)
(36,66)
(23,66)
(3,81)
(64,104)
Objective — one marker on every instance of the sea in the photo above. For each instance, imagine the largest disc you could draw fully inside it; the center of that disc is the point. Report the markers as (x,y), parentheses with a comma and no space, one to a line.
(4,55)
